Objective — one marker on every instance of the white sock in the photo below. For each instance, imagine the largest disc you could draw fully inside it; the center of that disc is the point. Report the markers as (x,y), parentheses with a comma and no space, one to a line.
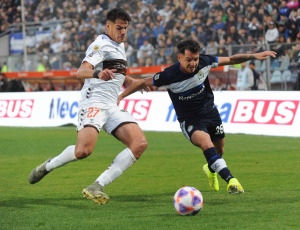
(122,162)
(218,165)
(68,155)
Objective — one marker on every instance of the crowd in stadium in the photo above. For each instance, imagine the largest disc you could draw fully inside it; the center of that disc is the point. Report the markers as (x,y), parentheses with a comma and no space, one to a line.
(157,26)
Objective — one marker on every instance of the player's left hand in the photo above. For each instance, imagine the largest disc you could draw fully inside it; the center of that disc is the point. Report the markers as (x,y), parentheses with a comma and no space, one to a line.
(146,88)
(107,74)
(264,55)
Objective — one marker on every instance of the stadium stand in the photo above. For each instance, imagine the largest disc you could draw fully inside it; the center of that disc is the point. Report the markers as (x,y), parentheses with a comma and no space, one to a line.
(58,32)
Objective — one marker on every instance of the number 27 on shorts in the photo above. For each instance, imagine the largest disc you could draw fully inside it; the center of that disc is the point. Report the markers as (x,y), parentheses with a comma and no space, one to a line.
(93,111)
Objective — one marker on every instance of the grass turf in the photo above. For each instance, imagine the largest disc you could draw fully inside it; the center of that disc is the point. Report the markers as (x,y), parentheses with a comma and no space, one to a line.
(142,198)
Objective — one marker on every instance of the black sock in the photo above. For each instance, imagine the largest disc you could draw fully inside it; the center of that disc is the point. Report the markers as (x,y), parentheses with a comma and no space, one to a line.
(226,174)
(211,156)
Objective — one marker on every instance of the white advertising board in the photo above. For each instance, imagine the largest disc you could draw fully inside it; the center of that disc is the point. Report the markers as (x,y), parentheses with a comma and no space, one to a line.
(274,113)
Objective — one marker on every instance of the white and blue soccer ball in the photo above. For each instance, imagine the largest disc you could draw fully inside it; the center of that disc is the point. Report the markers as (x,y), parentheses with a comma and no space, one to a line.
(188,201)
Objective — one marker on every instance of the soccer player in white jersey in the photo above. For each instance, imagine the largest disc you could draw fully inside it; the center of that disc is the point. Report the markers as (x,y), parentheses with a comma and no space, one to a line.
(189,89)
(104,71)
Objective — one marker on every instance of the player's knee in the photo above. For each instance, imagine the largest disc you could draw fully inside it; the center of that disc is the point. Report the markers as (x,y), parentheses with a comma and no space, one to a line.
(140,147)
(82,153)
(204,146)
(143,145)
(220,151)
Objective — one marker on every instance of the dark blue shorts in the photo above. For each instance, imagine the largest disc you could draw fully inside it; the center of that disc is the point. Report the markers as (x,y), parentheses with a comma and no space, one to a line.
(211,124)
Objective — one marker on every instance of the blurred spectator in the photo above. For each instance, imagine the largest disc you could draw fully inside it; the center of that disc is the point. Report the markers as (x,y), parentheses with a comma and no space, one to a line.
(144,36)
(255,76)
(231,23)
(78,85)
(3,83)
(148,62)
(283,9)
(253,27)
(272,33)
(233,34)
(4,68)
(222,51)
(220,35)
(297,83)
(212,48)
(219,24)
(62,87)
(147,47)
(201,35)
(49,86)
(218,85)
(169,60)
(245,79)
(129,53)
(37,87)
(161,59)
(15,85)
(43,65)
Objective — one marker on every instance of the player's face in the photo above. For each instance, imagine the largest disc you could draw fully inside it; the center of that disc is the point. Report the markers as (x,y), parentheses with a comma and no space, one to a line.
(117,30)
(188,61)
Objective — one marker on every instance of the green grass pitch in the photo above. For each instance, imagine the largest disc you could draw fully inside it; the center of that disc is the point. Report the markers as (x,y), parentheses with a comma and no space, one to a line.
(142,198)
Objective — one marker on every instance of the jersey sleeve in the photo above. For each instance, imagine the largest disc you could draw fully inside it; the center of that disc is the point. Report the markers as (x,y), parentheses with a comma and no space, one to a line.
(94,54)
(160,79)
(209,60)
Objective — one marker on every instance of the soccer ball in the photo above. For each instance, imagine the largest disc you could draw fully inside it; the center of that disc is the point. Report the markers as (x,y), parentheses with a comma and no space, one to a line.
(188,201)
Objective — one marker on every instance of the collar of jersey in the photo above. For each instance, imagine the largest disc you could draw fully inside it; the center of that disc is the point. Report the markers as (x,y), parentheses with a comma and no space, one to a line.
(108,38)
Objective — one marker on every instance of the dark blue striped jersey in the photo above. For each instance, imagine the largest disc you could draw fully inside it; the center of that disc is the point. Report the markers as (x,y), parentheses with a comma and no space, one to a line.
(190,93)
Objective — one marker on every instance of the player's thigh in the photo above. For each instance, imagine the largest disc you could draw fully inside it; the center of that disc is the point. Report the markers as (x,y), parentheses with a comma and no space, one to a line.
(86,141)
(219,145)
(201,139)
(130,133)
(197,133)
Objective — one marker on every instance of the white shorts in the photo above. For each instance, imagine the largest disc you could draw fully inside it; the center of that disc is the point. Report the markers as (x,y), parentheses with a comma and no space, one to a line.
(107,119)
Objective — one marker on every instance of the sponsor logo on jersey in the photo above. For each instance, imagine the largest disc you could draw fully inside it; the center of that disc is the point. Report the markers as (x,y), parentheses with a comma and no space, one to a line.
(19,108)
(200,76)
(96,48)
(191,96)
(274,112)
(138,108)
(156,77)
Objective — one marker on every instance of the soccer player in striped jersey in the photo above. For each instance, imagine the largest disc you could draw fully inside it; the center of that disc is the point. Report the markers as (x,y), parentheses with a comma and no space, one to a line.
(189,89)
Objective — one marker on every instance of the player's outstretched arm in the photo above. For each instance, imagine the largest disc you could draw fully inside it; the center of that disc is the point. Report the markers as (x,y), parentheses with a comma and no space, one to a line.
(135,86)
(240,58)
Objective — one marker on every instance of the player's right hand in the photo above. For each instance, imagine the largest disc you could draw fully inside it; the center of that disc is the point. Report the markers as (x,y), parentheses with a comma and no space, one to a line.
(107,74)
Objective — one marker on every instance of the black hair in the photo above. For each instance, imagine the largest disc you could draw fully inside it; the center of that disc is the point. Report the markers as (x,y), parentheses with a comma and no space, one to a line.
(118,13)
(188,44)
